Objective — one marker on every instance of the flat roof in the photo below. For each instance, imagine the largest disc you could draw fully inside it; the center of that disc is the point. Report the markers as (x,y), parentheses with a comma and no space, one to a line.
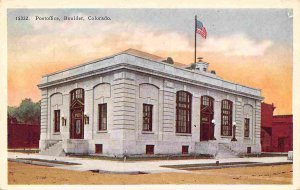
(133,59)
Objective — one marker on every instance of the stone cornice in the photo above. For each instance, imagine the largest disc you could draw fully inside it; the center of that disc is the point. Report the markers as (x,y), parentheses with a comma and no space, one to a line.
(139,64)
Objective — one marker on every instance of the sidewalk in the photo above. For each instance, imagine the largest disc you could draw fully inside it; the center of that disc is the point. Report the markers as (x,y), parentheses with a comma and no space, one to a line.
(152,166)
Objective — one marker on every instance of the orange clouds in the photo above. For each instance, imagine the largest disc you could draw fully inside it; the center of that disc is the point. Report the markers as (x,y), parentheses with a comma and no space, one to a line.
(272,73)
(260,64)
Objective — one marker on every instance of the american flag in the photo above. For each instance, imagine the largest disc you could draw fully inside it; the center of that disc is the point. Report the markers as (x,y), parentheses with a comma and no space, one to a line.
(201,29)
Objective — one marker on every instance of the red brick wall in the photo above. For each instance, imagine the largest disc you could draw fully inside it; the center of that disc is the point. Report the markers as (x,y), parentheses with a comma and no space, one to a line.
(267,114)
(282,128)
(23,136)
(266,139)
(276,131)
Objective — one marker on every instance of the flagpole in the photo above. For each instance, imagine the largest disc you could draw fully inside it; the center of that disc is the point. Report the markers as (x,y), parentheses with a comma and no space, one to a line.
(195,36)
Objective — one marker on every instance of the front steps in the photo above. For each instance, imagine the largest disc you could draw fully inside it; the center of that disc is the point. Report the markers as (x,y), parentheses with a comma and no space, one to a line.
(216,149)
(225,152)
(206,148)
(54,150)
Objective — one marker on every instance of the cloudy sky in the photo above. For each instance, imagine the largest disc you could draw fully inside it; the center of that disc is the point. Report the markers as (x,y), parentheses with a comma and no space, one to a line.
(248,46)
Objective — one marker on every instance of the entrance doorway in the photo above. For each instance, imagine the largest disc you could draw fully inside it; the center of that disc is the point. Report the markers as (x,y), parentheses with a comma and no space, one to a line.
(206,115)
(77,114)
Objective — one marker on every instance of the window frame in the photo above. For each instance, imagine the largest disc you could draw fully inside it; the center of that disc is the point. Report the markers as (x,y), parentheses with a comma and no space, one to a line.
(184,121)
(149,149)
(56,121)
(77,94)
(98,148)
(100,118)
(185,149)
(226,113)
(247,130)
(207,102)
(148,115)
(249,150)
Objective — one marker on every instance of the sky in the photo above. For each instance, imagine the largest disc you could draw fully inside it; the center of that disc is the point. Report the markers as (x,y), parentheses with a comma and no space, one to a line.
(252,47)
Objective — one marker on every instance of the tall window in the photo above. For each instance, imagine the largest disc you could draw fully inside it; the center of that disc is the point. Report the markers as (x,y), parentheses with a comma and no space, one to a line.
(56,120)
(183,112)
(102,117)
(147,117)
(247,126)
(226,118)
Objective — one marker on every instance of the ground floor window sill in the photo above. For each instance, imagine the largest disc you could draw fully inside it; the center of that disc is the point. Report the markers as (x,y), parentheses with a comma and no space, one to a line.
(226,137)
(147,132)
(183,134)
(103,131)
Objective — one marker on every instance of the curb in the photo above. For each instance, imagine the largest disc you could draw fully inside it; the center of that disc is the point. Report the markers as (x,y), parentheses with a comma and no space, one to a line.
(229,166)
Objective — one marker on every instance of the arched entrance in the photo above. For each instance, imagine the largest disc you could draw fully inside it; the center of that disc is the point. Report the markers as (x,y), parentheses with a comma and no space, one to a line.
(77,114)
(207,115)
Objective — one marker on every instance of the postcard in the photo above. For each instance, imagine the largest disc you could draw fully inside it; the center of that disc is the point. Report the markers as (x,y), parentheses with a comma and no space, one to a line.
(151,96)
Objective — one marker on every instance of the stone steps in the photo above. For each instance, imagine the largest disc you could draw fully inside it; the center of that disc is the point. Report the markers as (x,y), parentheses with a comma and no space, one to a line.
(206,147)
(225,152)
(54,150)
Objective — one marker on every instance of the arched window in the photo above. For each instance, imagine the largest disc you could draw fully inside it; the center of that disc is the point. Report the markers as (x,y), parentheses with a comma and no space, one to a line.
(183,112)
(226,118)
(77,94)
(207,102)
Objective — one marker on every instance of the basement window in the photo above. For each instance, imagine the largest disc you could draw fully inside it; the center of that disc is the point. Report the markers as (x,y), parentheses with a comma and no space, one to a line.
(149,149)
(185,149)
(248,150)
(98,148)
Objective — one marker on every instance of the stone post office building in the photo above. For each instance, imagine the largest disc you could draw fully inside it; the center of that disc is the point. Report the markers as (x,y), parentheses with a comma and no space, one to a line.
(135,103)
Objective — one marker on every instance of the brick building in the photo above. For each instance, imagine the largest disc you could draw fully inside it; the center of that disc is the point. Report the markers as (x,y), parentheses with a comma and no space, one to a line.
(276,130)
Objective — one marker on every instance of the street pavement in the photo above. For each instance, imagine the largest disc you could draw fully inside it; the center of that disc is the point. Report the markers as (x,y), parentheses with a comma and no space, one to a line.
(149,166)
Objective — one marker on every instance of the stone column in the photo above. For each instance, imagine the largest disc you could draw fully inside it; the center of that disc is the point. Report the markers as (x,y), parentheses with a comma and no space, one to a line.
(44,120)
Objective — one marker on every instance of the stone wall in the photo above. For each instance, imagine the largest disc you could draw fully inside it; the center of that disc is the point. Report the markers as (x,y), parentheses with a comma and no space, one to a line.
(125,91)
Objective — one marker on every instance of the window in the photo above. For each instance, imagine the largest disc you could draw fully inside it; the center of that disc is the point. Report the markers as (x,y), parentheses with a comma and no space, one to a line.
(226,118)
(56,120)
(77,126)
(147,117)
(185,149)
(149,149)
(98,148)
(77,94)
(207,102)
(247,124)
(102,117)
(183,112)
(248,150)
